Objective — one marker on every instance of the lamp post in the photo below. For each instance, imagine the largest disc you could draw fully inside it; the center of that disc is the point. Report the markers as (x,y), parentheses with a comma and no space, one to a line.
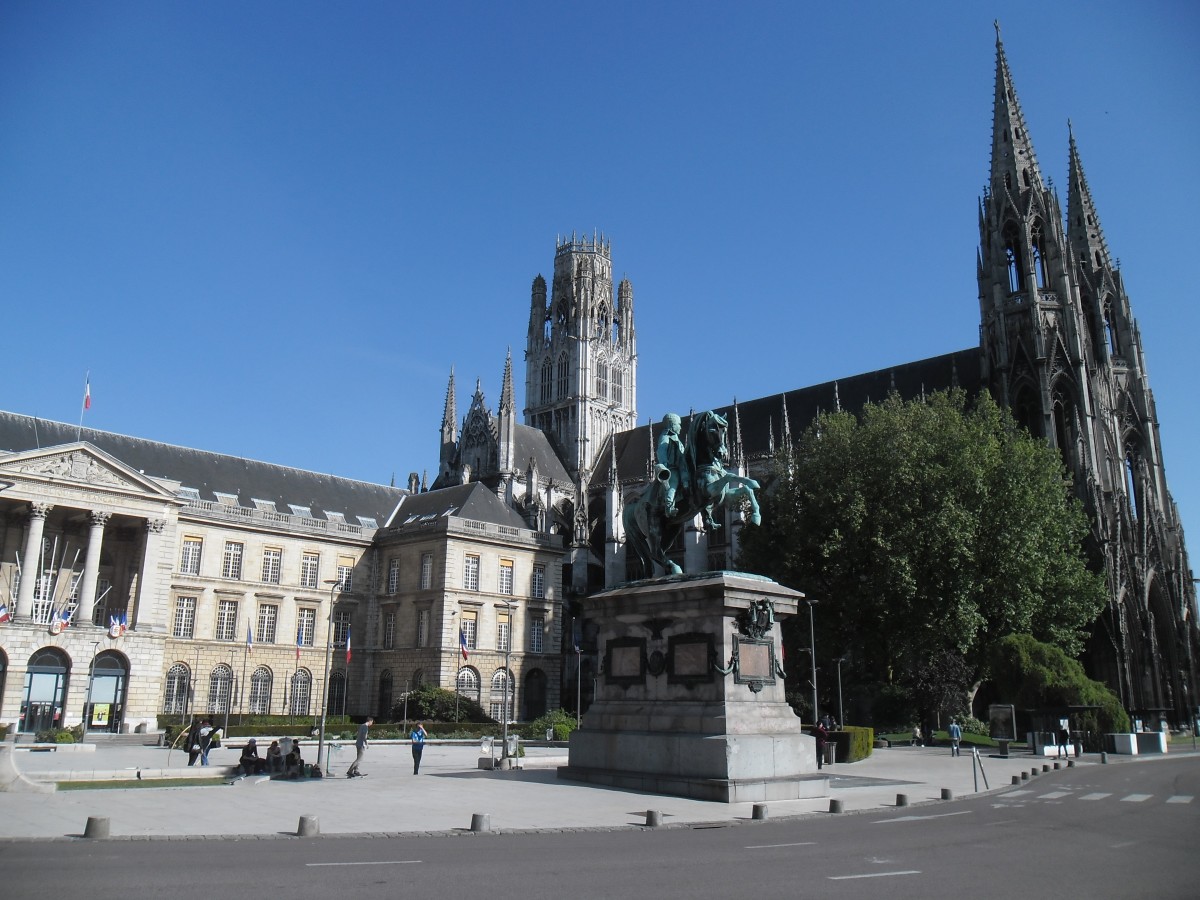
(229,696)
(458,656)
(508,690)
(812,644)
(87,701)
(334,586)
(841,711)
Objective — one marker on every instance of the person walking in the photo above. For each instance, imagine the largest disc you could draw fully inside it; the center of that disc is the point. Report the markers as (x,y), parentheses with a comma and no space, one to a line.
(1064,741)
(193,742)
(955,736)
(360,746)
(821,733)
(206,731)
(418,745)
(916,736)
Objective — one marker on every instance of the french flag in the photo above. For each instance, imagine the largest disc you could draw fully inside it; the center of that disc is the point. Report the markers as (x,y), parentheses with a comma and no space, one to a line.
(347,646)
(5,615)
(249,639)
(87,391)
(462,643)
(298,633)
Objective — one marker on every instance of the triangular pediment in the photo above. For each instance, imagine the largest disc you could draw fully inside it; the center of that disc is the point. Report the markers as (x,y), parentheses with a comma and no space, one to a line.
(82,464)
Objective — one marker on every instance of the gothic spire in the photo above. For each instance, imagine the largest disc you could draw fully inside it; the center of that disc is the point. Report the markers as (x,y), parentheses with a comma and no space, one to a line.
(786,431)
(507,404)
(1014,164)
(450,415)
(1083,224)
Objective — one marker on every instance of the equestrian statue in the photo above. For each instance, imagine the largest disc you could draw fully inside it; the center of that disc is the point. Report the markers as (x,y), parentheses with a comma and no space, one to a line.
(690,479)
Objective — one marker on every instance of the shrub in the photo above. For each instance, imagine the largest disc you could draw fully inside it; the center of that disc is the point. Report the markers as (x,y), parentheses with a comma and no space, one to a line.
(971,725)
(434,704)
(560,720)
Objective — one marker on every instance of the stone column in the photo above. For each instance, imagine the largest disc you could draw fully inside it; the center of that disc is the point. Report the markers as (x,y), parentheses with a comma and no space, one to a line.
(150,579)
(91,567)
(31,559)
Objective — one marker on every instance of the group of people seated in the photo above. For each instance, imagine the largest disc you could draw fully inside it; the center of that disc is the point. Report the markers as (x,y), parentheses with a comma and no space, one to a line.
(275,762)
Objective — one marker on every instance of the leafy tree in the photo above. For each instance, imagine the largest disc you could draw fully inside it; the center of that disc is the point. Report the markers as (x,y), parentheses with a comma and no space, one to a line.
(925,528)
(434,704)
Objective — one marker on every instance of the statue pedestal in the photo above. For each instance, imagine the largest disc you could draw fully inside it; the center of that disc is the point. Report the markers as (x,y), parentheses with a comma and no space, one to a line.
(690,700)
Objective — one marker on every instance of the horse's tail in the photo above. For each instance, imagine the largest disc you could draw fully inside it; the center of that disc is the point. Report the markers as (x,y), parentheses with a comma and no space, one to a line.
(635,533)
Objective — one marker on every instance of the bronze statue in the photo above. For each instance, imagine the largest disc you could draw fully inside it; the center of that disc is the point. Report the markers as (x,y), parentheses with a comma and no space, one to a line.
(690,478)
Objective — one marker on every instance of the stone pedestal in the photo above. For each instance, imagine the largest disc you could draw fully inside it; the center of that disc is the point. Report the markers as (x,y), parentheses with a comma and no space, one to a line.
(690,699)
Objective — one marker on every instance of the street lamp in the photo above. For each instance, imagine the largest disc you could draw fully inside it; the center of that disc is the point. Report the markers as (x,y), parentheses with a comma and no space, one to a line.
(88,699)
(841,711)
(508,689)
(458,654)
(229,695)
(812,643)
(333,586)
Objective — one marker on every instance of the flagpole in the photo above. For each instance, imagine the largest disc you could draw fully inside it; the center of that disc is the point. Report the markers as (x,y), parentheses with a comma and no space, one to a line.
(242,692)
(87,401)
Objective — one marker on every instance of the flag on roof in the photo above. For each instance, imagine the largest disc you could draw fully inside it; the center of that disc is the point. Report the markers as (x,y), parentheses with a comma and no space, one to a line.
(87,391)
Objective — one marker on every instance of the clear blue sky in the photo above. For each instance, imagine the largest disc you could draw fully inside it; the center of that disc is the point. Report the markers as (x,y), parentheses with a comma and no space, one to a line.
(270,228)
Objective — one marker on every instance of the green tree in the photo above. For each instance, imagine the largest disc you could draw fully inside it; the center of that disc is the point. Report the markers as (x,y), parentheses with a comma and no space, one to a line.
(925,527)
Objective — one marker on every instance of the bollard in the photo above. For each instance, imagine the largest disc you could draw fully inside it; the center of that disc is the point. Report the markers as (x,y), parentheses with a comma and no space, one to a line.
(1104,757)
(310,826)
(1046,767)
(96,827)
(1071,763)
(1057,767)
(481,821)
(1024,776)
(1033,773)
(653,818)
(902,799)
(759,811)
(947,794)
(1016,779)
(835,806)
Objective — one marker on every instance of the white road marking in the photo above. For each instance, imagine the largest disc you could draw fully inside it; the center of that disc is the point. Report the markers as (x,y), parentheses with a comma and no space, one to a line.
(874,875)
(1179,798)
(1017,793)
(1136,798)
(1055,795)
(1094,796)
(381,862)
(965,812)
(772,846)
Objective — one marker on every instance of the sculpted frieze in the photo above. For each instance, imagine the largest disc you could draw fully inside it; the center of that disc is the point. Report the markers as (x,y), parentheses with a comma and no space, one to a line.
(75,466)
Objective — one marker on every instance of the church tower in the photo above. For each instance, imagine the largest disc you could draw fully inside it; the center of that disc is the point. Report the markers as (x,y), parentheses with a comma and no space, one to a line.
(581,357)
(1061,349)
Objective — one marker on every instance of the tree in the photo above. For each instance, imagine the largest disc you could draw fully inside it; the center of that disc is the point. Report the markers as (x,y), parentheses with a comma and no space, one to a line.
(926,527)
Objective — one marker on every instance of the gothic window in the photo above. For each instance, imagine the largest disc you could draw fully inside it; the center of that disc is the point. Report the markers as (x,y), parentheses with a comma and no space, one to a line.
(1110,331)
(1063,432)
(1012,254)
(563,376)
(615,332)
(547,381)
(1131,486)
(602,380)
(1039,259)
(546,329)
(220,689)
(298,704)
(618,390)
(175,698)
(560,318)
(260,692)
(1025,177)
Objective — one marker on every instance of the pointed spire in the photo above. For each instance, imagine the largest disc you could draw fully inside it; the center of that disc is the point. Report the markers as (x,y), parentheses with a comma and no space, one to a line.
(787,425)
(507,404)
(450,415)
(1084,233)
(771,435)
(739,450)
(1014,164)
(837,399)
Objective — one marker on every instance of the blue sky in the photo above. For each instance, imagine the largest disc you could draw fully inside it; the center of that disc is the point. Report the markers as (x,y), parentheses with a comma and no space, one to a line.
(271,229)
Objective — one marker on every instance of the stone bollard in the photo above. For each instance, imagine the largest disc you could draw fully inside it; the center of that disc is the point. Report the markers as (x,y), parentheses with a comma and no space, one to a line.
(1024,776)
(947,794)
(1033,773)
(481,821)
(653,818)
(1046,767)
(1016,779)
(96,827)
(835,806)
(902,799)
(759,812)
(1057,767)
(310,826)
(1071,763)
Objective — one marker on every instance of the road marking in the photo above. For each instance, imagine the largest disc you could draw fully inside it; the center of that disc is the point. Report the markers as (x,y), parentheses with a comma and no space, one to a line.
(1179,798)
(965,812)
(874,875)
(1017,793)
(1136,798)
(772,846)
(381,862)
(1094,796)
(1055,795)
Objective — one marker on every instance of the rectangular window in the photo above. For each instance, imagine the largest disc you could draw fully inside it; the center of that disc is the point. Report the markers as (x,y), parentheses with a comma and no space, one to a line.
(422,628)
(310,570)
(503,632)
(345,573)
(189,561)
(470,627)
(471,573)
(393,585)
(306,626)
(537,628)
(426,571)
(185,618)
(268,618)
(272,564)
(538,587)
(341,626)
(231,565)
(226,620)
(389,630)
(506,576)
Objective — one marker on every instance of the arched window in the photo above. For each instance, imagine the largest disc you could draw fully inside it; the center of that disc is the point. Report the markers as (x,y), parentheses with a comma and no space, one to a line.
(618,385)
(336,704)
(260,691)
(384,706)
(418,679)
(298,703)
(564,376)
(1131,485)
(468,683)
(220,689)
(497,707)
(1039,258)
(547,386)
(175,695)
(602,379)
(1110,331)
(1012,256)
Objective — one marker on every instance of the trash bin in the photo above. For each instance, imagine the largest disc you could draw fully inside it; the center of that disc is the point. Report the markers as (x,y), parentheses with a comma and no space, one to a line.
(830,753)
(549,734)
(513,741)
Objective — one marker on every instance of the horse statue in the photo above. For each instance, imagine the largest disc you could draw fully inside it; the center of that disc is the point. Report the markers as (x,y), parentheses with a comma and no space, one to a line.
(690,479)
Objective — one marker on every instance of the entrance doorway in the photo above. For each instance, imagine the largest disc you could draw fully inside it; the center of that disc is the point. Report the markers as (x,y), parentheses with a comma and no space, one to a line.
(106,697)
(45,693)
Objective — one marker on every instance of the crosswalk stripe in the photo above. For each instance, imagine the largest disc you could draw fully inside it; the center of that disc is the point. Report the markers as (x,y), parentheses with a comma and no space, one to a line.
(1017,793)
(1179,798)
(1055,795)
(1136,798)
(1094,796)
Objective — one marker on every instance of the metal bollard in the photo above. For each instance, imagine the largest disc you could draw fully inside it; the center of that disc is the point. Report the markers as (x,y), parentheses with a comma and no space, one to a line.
(835,806)
(1046,767)
(1071,763)
(653,818)
(1057,767)
(309,826)
(1033,773)
(902,799)
(1016,779)
(96,827)
(481,822)
(947,794)
(1024,776)
(759,812)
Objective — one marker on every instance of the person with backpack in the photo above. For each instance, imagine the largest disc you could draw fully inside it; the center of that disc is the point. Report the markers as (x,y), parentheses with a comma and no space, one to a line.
(955,731)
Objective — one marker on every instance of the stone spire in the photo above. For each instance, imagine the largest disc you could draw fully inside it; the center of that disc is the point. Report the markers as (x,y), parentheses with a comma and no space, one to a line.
(1084,233)
(1014,164)
(507,421)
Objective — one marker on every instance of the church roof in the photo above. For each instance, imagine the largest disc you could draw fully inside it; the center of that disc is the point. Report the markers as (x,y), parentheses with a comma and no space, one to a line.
(465,501)
(209,474)
(533,444)
(762,420)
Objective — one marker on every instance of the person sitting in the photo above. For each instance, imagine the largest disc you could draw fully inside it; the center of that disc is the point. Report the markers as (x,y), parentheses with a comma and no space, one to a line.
(250,763)
(916,736)
(294,764)
(274,761)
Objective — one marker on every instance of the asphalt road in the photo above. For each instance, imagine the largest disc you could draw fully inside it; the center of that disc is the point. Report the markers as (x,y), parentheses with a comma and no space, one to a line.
(1122,831)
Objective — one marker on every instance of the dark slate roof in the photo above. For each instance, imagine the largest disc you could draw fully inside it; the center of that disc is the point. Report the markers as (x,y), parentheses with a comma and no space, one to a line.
(466,501)
(213,472)
(763,418)
(532,443)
